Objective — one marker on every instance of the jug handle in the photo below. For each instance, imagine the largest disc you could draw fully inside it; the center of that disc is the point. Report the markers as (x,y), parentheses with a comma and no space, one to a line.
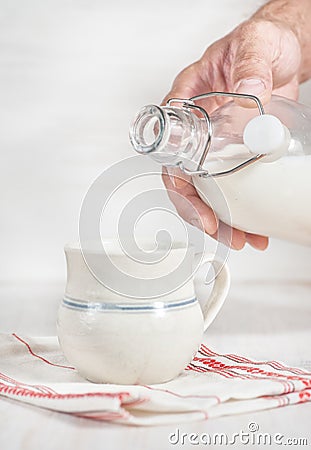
(211,306)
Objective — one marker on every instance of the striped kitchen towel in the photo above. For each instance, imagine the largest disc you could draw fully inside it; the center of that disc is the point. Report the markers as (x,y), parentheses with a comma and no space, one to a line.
(34,371)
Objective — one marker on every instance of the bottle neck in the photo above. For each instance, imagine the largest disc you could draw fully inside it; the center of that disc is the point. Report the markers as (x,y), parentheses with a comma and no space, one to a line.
(170,135)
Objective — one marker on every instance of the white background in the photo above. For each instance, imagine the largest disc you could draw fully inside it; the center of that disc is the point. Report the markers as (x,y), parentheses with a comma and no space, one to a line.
(73,73)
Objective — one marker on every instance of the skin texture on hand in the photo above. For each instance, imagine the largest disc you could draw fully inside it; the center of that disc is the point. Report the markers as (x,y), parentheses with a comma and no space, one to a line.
(260,57)
(295,15)
(257,57)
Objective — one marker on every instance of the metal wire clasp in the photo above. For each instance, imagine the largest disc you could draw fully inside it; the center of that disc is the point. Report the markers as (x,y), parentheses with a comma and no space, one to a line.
(189,103)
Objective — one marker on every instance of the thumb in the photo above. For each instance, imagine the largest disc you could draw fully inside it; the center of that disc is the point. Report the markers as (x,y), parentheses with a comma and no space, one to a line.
(251,72)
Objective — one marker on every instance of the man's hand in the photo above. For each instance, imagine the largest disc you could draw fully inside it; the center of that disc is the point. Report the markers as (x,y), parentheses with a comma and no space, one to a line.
(259,57)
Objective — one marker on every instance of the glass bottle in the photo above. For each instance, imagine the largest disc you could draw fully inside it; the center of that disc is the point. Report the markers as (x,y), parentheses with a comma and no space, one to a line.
(260,157)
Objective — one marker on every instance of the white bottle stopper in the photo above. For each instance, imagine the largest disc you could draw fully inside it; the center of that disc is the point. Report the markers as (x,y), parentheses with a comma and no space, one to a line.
(265,134)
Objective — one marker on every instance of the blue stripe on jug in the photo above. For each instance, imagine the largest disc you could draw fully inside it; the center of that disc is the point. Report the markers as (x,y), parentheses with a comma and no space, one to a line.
(99,306)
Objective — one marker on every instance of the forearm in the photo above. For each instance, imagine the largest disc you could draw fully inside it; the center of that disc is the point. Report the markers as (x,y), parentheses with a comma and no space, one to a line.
(296,14)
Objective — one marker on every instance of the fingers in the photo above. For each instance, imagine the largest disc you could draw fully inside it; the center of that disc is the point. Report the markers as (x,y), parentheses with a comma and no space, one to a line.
(229,236)
(236,239)
(187,83)
(178,178)
(266,56)
(257,57)
(256,241)
(189,206)
(194,211)
(251,66)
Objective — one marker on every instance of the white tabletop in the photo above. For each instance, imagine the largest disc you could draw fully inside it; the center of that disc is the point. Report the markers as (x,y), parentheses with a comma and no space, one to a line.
(263,320)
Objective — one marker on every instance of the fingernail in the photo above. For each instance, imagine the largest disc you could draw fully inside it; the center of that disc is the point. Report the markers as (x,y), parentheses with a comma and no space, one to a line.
(253,242)
(197,223)
(211,223)
(238,241)
(236,246)
(251,86)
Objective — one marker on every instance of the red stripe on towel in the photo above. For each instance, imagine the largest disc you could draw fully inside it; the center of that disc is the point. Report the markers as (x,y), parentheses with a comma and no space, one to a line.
(38,356)
(275,364)
(19,391)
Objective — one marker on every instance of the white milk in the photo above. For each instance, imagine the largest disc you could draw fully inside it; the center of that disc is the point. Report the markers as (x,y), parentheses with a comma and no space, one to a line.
(272,198)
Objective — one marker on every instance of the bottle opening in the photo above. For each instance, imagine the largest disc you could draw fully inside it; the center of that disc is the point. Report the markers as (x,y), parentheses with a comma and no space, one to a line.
(147,129)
